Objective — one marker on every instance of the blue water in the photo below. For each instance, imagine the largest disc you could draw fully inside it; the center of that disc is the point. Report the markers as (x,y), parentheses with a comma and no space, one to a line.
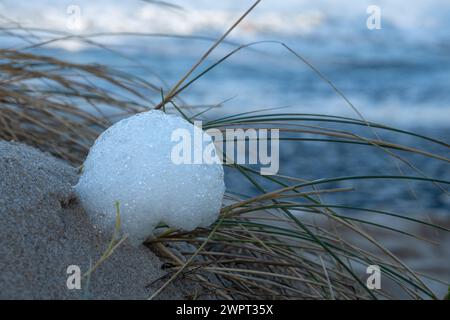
(399,74)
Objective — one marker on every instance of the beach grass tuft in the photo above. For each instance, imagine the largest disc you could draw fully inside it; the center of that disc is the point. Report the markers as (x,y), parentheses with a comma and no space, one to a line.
(285,241)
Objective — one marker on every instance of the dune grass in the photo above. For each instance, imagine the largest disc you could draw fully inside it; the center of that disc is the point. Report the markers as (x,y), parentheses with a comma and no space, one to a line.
(262,246)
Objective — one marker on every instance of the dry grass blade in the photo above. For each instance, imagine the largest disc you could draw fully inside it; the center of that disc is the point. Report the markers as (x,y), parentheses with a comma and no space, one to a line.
(173,91)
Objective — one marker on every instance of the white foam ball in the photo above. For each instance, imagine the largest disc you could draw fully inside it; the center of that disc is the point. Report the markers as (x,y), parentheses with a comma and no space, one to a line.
(131,163)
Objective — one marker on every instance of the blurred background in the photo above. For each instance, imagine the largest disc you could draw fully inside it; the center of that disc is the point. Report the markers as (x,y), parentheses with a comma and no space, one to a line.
(398,74)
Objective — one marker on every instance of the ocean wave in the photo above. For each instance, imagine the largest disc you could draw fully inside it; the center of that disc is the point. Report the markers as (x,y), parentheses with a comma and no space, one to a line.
(322,19)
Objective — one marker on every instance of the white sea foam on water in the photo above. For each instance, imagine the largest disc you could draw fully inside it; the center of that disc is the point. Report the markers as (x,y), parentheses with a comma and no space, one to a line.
(330,19)
(398,74)
(131,163)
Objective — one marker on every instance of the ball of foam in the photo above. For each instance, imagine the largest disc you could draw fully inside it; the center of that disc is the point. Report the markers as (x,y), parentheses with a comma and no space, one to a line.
(131,163)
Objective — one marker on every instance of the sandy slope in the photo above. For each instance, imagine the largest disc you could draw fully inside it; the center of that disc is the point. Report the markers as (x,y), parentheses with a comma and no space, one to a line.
(44,230)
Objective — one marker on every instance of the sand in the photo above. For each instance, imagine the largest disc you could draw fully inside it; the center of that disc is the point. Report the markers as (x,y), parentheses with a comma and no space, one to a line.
(44,230)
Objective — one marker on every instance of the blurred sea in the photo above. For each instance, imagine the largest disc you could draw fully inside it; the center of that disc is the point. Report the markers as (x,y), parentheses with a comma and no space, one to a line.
(397,75)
